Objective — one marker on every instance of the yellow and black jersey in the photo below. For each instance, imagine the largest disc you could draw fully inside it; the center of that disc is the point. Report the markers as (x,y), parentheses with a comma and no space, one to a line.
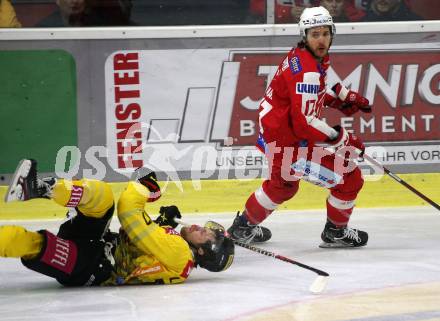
(147,252)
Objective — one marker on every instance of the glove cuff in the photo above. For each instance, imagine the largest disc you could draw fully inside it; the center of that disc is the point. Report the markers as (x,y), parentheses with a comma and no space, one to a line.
(154,196)
(341,91)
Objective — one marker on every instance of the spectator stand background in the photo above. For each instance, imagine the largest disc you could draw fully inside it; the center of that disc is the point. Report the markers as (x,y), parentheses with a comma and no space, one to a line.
(389,10)
(66,13)
(200,12)
(194,12)
(288,11)
(148,12)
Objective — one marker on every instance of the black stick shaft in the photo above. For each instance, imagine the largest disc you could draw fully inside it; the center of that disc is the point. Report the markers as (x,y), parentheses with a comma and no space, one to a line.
(280,257)
(268,253)
(401,181)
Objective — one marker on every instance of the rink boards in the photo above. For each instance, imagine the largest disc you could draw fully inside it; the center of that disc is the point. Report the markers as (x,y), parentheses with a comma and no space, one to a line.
(184,101)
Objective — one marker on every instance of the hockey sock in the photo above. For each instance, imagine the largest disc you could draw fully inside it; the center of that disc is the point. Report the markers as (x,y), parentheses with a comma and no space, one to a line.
(71,263)
(93,198)
(339,211)
(257,209)
(16,241)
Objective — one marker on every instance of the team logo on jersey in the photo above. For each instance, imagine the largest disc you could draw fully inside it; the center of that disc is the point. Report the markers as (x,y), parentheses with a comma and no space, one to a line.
(295,65)
(305,88)
(315,173)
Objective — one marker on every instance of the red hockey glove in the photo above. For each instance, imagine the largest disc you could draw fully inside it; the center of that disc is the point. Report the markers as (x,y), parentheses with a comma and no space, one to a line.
(147,177)
(349,102)
(345,139)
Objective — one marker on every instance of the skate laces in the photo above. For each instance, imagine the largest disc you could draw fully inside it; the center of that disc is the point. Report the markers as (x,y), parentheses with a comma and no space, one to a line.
(257,231)
(246,234)
(351,234)
(45,186)
(252,231)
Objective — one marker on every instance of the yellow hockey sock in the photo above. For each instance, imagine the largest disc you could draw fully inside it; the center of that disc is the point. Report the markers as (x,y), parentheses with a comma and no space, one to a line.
(16,241)
(93,198)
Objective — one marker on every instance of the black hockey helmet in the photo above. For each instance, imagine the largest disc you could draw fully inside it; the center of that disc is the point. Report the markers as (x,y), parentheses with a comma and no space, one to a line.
(218,254)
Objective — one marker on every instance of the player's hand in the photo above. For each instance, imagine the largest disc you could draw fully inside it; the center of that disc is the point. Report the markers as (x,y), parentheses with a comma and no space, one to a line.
(147,177)
(349,102)
(167,216)
(346,139)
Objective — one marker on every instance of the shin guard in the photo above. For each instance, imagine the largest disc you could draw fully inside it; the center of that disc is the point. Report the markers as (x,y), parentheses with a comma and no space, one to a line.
(71,263)
(57,258)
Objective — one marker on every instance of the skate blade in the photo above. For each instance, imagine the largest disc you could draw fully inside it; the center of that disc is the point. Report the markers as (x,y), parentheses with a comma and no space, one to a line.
(325,245)
(22,170)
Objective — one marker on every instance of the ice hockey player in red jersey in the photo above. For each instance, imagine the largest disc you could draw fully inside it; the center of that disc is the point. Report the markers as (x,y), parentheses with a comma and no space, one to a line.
(300,145)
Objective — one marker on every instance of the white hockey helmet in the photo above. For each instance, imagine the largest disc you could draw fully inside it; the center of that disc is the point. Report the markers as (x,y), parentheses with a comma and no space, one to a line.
(315,17)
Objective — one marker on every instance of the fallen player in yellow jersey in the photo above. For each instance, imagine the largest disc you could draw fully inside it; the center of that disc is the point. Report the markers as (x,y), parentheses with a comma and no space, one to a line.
(85,252)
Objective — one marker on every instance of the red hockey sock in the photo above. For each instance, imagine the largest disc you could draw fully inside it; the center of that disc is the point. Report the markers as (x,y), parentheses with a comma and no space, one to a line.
(255,212)
(339,211)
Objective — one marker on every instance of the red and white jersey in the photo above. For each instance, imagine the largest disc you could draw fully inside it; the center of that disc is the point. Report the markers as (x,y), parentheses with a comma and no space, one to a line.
(289,112)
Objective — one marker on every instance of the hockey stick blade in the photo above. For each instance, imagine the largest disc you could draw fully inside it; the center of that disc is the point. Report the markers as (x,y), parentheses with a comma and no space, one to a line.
(318,285)
(281,258)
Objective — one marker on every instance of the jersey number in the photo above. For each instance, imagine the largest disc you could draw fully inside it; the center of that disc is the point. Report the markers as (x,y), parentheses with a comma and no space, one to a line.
(310,107)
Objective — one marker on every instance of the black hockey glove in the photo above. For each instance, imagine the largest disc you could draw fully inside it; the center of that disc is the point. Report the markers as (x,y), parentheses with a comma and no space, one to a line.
(148,178)
(167,216)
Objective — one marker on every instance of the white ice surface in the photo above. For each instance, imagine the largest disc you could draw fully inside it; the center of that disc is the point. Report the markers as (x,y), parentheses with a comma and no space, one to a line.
(404,248)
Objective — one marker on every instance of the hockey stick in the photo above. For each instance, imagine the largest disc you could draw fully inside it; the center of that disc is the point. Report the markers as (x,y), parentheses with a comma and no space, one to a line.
(318,284)
(401,181)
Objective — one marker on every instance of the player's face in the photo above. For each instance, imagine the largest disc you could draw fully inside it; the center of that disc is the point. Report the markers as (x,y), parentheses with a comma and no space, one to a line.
(319,39)
(197,235)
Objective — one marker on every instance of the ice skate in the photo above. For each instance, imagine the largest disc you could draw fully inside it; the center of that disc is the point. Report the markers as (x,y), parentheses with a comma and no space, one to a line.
(247,233)
(25,185)
(342,237)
